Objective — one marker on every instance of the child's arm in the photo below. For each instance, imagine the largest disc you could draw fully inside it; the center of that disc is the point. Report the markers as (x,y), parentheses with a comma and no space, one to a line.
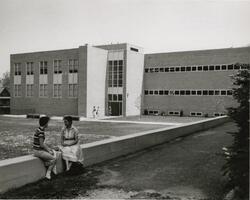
(44,146)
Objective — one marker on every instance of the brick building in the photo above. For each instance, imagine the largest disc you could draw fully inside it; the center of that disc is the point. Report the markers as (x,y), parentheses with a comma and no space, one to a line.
(122,79)
(192,83)
(73,81)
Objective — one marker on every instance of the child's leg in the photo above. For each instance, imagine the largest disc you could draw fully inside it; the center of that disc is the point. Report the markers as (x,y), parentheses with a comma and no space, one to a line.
(68,164)
(49,160)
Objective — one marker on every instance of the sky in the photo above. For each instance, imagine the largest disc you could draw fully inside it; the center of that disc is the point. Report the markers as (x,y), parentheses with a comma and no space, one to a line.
(155,25)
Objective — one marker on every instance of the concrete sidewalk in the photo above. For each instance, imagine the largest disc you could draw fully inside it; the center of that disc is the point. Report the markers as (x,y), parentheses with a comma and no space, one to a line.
(185,168)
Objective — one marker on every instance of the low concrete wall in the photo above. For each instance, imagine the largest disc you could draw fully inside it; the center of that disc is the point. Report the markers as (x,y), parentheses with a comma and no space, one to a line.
(19,171)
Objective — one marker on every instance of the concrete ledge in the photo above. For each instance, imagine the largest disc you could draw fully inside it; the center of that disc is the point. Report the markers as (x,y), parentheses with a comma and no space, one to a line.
(19,171)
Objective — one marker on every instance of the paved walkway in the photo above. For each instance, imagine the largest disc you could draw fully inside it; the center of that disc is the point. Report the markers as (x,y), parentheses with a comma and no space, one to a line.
(185,169)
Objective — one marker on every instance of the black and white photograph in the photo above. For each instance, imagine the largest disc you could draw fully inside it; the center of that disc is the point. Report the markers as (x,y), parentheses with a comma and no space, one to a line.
(124,99)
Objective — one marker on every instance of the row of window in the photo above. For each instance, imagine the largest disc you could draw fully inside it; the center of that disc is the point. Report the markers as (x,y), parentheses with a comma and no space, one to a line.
(43,90)
(43,66)
(188,92)
(195,68)
(178,113)
(115,97)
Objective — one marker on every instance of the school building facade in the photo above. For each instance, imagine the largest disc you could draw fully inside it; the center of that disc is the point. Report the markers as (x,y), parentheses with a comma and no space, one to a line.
(121,80)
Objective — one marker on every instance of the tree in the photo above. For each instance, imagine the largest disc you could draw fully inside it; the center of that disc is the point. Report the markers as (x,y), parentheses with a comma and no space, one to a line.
(6,80)
(237,155)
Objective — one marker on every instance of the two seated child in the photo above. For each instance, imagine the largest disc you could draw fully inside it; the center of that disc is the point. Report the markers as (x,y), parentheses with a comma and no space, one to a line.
(71,151)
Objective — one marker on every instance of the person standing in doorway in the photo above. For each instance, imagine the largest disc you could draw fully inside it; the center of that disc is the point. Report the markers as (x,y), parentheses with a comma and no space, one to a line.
(110,111)
(97,112)
(94,112)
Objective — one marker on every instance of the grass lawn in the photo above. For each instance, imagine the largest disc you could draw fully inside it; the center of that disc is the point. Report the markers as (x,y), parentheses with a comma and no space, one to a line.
(17,133)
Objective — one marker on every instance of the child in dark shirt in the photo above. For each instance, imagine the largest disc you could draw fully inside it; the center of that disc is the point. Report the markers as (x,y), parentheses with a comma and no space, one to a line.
(41,150)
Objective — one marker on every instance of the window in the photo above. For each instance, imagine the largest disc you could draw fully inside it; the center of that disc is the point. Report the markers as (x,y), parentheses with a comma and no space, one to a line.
(171,69)
(161,69)
(199,92)
(58,90)
(188,69)
(211,92)
(119,97)
(151,92)
(223,67)
(110,97)
(171,92)
(114,97)
(156,69)
(243,67)
(115,73)
(43,67)
(205,68)
(195,113)
(229,92)
(223,92)
(175,113)
(156,92)
(134,49)
(146,92)
(236,66)
(193,92)
(57,66)
(192,114)
(29,90)
(187,92)
(161,92)
(176,92)
(204,92)
(182,92)
(146,70)
(183,69)
(73,65)
(17,90)
(43,90)
(211,68)
(165,92)
(73,90)
(217,67)
(167,69)
(120,73)
(151,70)
(177,69)
(230,67)
(217,92)
(17,69)
(199,68)
(194,68)
(199,114)
(29,68)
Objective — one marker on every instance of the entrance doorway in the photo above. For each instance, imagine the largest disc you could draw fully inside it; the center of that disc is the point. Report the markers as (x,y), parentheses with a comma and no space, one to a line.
(115,108)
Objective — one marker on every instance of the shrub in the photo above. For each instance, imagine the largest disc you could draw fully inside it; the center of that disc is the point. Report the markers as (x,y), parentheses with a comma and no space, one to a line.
(237,155)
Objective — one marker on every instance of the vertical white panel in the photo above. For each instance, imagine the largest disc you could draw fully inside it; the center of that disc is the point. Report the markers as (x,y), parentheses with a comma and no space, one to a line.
(57,78)
(73,78)
(17,80)
(43,79)
(30,79)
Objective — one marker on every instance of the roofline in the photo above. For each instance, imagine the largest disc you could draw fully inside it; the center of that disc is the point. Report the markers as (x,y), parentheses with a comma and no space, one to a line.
(44,51)
(201,50)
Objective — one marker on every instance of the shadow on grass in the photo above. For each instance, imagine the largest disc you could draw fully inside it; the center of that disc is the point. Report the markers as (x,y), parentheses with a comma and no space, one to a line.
(63,186)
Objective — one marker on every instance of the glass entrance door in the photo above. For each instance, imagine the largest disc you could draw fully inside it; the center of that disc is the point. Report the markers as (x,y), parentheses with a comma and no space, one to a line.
(115,108)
